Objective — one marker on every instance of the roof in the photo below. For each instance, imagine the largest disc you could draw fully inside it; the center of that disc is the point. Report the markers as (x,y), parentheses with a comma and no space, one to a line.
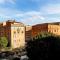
(52,23)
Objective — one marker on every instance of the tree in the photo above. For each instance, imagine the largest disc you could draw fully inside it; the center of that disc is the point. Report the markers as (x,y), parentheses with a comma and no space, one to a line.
(44,48)
(3,42)
(42,35)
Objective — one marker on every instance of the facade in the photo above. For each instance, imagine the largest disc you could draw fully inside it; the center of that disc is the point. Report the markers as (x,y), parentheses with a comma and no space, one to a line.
(36,29)
(28,33)
(15,33)
(53,28)
(18,34)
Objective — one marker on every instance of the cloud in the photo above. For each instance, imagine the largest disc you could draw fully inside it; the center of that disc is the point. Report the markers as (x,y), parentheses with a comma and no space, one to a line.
(28,13)
(31,17)
(52,19)
(51,9)
(51,13)
(11,1)
(35,0)
(47,13)
(7,1)
(33,20)
(2,1)
(7,13)
(28,17)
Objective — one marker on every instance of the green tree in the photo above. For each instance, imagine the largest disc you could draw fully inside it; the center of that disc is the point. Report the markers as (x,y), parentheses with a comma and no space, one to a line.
(44,47)
(3,42)
(42,35)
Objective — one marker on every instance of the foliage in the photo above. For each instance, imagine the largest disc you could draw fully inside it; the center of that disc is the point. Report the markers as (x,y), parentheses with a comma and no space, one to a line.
(44,48)
(42,34)
(3,42)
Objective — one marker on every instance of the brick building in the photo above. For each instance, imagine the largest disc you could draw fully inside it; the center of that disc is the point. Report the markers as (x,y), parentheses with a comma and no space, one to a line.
(15,33)
(53,28)
(28,33)
(18,34)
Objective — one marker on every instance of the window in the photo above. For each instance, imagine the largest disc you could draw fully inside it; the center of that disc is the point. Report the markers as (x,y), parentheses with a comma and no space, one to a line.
(18,30)
(14,40)
(54,30)
(14,35)
(22,31)
(19,40)
(49,30)
(14,32)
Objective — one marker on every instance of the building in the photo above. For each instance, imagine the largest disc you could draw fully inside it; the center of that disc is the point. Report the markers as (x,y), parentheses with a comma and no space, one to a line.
(18,34)
(53,28)
(15,33)
(28,33)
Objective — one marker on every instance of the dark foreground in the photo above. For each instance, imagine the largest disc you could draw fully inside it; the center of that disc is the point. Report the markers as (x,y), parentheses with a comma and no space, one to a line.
(13,56)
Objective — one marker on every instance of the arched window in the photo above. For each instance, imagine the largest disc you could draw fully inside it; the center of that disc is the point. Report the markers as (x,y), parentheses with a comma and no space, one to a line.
(22,31)
(18,30)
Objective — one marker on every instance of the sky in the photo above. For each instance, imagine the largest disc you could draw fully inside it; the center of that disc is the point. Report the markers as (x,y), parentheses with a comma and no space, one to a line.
(30,12)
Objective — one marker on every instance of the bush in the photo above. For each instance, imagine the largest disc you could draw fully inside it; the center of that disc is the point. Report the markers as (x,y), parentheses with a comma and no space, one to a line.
(42,48)
(3,42)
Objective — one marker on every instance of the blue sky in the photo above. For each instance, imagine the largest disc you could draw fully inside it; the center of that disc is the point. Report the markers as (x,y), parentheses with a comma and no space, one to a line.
(30,12)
